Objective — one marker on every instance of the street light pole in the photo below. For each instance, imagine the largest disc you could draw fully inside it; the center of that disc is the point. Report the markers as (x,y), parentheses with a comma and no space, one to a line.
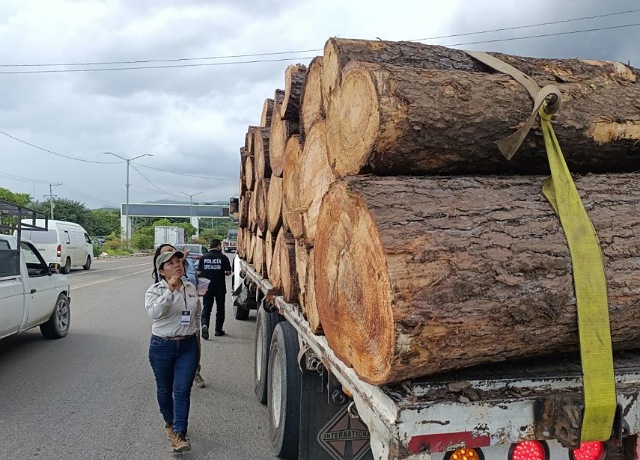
(126,209)
(191,204)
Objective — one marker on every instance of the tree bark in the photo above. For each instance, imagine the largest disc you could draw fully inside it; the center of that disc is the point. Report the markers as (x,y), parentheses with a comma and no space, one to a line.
(311,106)
(416,276)
(314,178)
(293,78)
(274,204)
(292,209)
(412,121)
(261,153)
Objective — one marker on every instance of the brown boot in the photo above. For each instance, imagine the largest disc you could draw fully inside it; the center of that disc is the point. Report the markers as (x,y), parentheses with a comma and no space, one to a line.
(168,428)
(199,381)
(180,443)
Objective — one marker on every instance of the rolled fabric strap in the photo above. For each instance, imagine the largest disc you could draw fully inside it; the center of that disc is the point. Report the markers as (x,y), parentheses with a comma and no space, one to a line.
(551,93)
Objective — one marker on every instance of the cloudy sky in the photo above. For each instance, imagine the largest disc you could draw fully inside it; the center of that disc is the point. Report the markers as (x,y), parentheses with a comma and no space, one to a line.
(69,93)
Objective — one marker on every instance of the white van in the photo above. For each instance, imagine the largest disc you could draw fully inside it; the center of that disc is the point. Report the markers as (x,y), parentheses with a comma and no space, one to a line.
(65,243)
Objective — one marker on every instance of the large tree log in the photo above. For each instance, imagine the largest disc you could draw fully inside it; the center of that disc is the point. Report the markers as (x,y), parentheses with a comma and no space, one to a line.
(261,153)
(421,275)
(259,260)
(281,131)
(311,106)
(399,120)
(252,221)
(302,263)
(339,52)
(288,274)
(274,204)
(269,242)
(243,157)
(314,178)
(260,195)
(249,138)
(243,214)
(292,209)
(275,276)
(293,79)
(310,305)
(240,243)
(249,172)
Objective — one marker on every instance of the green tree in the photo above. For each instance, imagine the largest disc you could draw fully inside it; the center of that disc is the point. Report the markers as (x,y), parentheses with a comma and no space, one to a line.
(103,222)
(67,210)
(22,199)
(141,241)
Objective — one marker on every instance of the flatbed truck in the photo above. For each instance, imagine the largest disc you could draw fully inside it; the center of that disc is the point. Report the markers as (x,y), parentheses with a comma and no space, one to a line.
(318,408)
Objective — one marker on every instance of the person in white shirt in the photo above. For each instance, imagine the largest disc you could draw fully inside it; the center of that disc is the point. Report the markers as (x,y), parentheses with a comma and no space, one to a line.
(198,380)
(172,304)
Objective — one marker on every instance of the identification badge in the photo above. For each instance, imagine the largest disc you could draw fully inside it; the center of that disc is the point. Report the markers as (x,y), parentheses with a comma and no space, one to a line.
(186,318)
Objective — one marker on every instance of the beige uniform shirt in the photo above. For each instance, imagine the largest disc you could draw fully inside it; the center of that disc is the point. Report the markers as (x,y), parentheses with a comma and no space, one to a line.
(167,309)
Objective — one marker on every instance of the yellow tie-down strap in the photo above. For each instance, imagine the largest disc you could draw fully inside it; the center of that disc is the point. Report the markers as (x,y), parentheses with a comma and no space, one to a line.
(591,293)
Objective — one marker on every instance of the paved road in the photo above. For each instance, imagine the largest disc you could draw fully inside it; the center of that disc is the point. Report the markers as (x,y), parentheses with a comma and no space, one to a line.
(91,395)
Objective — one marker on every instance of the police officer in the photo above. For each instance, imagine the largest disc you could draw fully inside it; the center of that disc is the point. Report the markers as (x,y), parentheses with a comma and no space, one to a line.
(214,266)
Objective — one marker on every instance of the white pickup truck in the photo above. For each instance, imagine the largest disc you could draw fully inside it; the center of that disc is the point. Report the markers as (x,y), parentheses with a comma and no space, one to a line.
(32,293)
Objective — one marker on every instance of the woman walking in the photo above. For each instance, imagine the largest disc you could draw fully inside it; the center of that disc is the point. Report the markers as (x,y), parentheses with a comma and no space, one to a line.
(173,305)
(198,380)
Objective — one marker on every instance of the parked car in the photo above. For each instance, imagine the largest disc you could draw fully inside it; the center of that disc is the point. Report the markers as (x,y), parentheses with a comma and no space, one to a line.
(32,292)
(195,251)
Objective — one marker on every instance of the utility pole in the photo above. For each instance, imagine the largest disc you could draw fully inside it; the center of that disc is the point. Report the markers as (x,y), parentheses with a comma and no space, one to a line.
(126,209)
(51,196)
(191,206)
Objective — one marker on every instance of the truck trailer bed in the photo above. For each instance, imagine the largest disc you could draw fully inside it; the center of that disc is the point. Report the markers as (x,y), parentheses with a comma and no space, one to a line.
(490,406)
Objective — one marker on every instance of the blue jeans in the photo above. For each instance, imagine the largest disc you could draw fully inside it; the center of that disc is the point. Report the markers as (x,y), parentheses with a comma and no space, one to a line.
(174,365)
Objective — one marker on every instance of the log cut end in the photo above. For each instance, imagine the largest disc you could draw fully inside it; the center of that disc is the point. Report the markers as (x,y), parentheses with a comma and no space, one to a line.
(353,122)
(353,289)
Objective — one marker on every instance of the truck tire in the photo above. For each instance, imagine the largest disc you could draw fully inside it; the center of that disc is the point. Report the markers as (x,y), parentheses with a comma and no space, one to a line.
(87,266)
(283,401)
(58,324)
(67,266)
(265,324)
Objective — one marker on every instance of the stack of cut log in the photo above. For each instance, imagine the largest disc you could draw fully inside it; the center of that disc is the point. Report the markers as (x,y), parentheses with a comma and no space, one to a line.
(374,196)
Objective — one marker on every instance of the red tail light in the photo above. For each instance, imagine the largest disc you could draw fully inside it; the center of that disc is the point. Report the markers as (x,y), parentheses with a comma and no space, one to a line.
(588,451)
(59,251)
(529,450)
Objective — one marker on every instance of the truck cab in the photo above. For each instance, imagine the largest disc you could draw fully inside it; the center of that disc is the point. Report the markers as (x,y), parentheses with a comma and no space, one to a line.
(32,292)
(229,243)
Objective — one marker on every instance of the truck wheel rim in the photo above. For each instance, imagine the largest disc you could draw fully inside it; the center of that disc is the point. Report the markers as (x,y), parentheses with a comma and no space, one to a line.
(276,389)
(259,348)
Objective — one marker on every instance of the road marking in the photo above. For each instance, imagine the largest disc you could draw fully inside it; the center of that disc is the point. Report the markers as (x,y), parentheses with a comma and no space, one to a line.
(88,272)
(110,279)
